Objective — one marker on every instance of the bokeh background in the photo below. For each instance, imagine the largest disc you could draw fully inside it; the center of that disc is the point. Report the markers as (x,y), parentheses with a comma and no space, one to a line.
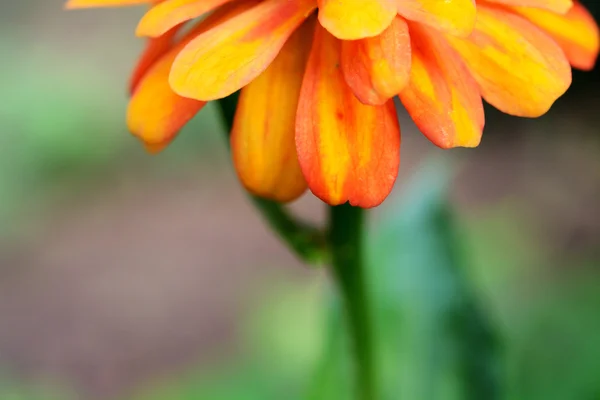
(138,277)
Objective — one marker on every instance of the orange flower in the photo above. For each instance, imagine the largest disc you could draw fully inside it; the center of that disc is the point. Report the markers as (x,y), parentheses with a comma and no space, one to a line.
(317,78)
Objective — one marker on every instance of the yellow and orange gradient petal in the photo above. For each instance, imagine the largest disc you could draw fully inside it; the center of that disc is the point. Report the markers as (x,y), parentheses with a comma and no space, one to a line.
(348,151)
(377,69)
(262,139)
(156,113)
(442,97)
(224,59)
(520,70)
(575,32)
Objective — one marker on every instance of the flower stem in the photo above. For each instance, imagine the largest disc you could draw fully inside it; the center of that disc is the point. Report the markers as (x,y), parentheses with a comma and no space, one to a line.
(348,269)
(306,241)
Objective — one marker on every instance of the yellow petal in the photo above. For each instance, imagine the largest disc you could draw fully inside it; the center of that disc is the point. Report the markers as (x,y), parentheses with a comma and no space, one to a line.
(520,70)
(456,17)
(377,68)
(169,13)
(442,97)
(155,48)
(262,139)
(576,32)
(348,151)
(156,113)
(228,57)
(356,19)
(71,4)
(556,6)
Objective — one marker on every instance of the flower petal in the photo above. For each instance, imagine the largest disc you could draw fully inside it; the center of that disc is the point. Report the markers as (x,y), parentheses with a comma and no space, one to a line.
(156,113)
(556,6)
(456,17)
(520,70)
(348,151)
(442,97)
(262,139)
(576,32)
(155,48)
(228,57)
(356,19)
(377,69)
(71,4)
(170,13)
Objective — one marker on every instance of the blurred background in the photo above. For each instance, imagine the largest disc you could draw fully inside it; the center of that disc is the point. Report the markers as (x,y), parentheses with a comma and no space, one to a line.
(138,277)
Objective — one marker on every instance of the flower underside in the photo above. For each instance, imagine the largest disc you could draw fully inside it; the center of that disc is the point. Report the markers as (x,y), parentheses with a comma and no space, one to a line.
(317,79)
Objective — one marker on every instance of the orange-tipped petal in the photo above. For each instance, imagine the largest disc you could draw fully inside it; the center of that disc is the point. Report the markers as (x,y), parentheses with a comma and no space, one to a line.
(156,113)
(170,13)
(576,32)
(456,17)
(356,19)
(155,48)
(377,69)
(262,139)
(442,97)
(228,57)
(520,70)
(71,4)
(556,6)
(348,151)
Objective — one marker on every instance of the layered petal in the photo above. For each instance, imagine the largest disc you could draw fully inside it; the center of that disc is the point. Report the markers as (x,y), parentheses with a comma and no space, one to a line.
(442,97)
(103,3)
(348,151)
(556,6)
(377,69)
(576,32)
(156,113)
(520,69)
(170,13)
(262,139)
(155,48)
(456,17)
(356,19)
(228,57)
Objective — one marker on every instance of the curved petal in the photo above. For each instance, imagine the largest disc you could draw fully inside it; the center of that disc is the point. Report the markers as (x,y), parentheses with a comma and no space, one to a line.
(456,17)
(556,6)
(356,19)
(170,13)
(155,48)
(520,70)
(348,151)
(71,4)
(442,97)
(156,113)
(262,140)
(576,32)
(377,69)
(228,57)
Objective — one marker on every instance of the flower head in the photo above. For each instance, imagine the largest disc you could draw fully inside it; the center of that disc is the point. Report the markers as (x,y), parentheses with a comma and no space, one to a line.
(318,78)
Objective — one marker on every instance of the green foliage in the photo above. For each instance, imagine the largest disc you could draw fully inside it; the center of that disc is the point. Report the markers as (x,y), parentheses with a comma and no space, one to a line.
(12,389)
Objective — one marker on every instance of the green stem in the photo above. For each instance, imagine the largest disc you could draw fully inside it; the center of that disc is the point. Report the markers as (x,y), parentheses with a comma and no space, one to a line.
(347,258)
(306,241)
(474,334)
